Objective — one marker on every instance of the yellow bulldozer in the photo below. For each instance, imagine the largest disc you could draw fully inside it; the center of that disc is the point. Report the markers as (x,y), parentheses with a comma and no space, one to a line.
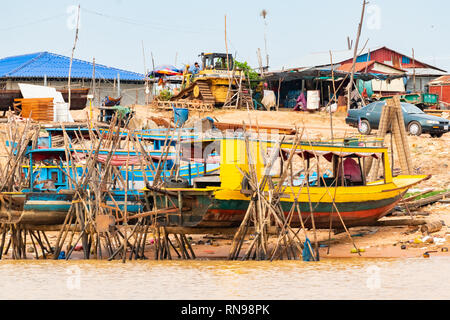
(216,84)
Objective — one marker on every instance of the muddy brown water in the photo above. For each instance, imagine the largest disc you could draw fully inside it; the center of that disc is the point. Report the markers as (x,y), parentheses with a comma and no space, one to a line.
(415,278)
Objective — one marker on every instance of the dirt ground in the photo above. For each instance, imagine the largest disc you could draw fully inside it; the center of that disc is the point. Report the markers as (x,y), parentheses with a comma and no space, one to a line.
(429,156)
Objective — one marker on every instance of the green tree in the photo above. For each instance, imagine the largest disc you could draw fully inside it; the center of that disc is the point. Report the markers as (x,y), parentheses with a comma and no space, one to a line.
(249,72)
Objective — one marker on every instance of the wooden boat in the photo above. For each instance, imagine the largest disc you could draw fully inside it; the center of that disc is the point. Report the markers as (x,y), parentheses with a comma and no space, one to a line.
(50,207)
(268,129)
(78,98)
(158,136)
(221,201)
(7,98)
(12,205)
(49,198)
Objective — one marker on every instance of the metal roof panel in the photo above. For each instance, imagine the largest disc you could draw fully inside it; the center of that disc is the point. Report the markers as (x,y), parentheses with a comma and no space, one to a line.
(41,64)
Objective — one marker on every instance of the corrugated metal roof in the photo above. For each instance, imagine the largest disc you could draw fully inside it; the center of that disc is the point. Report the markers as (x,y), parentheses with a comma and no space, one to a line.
(40,64)
(323,58)
(424,72)
(320,59)
(316,73)
(359,66)
(444,80)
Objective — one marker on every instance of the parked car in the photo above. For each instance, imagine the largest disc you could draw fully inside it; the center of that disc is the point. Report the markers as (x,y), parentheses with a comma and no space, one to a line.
(416,121)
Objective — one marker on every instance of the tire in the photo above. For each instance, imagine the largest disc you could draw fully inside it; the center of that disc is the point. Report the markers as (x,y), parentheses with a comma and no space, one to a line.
(436,135)
(177,183)
(415,128)
(364,128)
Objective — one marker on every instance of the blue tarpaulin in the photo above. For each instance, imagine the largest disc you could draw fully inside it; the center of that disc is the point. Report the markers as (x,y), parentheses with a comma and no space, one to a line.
(307,254)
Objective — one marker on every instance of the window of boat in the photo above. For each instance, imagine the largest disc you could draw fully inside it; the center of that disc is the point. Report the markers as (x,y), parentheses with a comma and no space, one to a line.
(273,164)
(326,169)
(63,177)
(306,167)
(348,171)
(54,176)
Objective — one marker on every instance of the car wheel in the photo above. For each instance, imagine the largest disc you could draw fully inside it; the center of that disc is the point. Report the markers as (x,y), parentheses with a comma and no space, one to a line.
(364,127)
(414,128)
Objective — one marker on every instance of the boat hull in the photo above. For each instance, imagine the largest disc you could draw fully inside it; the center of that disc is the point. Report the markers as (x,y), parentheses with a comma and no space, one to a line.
(230,213)
(42,208)
(206,210)
(36,208)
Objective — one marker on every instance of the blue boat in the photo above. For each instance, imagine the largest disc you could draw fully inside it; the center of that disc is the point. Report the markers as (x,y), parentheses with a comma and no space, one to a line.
(156,136)
(50,194)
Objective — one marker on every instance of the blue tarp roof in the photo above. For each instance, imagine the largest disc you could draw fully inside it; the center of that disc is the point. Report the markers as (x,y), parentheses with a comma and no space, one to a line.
(40,64)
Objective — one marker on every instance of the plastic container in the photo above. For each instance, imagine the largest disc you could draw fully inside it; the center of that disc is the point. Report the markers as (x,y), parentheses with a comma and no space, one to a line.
(180,116)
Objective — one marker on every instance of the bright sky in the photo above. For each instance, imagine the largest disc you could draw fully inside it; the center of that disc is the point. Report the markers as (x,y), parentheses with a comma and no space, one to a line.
(112,31)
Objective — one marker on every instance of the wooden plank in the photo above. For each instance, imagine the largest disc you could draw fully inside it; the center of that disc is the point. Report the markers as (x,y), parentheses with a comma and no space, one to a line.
(400,222)
(405,152)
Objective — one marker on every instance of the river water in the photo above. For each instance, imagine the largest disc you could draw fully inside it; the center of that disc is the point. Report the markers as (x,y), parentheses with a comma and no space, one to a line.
(355,278)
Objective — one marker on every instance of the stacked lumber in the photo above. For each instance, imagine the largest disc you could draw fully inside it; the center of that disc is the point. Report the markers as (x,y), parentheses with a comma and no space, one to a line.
(191,105)
(392,120)
(38,109)
(416,204)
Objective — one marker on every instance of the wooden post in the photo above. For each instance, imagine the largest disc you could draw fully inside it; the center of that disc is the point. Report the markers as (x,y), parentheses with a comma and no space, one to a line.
(355,52)
(279,90)
(226,45)
(146,75)
(414,71)
(93,91)
(264,15)
(334,95)
(71,58)
(261,69)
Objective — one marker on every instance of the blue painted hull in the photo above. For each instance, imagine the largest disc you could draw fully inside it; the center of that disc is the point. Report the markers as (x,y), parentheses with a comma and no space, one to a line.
(135,177)
(51,208)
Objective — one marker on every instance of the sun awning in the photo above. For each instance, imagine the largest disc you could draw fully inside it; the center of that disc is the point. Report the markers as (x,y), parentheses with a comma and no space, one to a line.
(209,160)
(121,160)
(328,155)
(47,154)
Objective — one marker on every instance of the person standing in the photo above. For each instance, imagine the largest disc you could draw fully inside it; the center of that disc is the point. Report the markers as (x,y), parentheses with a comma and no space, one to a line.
(196,68)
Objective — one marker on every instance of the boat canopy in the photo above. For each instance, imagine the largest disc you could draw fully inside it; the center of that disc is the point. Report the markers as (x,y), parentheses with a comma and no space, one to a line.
(47,154)
(328,155)
(201,151)
(212,159)
(122,160)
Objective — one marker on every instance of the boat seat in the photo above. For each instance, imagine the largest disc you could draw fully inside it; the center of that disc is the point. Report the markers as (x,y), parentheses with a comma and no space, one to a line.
(207,181)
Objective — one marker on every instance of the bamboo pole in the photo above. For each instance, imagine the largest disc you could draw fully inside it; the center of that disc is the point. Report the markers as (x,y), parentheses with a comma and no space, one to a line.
(358,34)
(71,58)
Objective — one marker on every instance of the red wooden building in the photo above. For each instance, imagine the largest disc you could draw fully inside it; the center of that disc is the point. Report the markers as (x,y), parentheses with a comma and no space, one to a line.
(392,58)
(441,87)
(419,73)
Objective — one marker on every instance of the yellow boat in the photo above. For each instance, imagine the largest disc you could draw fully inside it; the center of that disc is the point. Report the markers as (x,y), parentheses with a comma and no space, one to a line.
(222,200)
